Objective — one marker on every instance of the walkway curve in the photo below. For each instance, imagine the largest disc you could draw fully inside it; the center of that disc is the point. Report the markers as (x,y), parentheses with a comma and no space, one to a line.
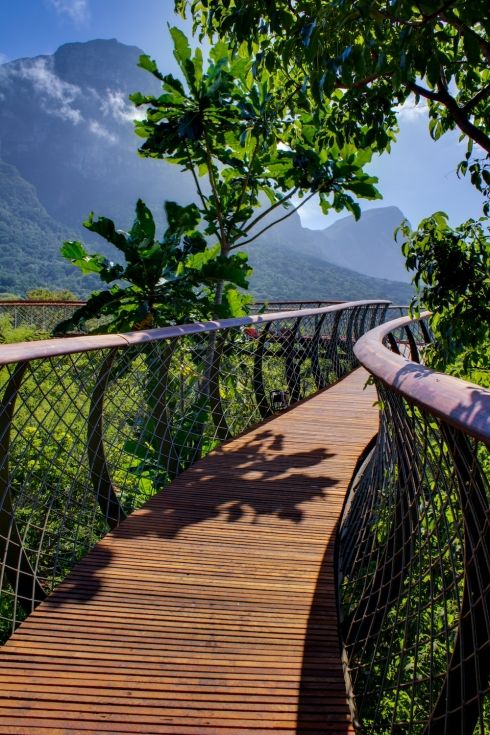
(210,611)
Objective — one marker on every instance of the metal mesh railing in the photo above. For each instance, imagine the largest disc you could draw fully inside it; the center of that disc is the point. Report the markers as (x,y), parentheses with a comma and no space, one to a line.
(45,315)
(271,306)
(41,315)
(91,427)
(414,550)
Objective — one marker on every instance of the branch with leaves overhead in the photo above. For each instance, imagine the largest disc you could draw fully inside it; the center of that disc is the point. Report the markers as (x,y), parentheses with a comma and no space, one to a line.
(375,51)
(247,143)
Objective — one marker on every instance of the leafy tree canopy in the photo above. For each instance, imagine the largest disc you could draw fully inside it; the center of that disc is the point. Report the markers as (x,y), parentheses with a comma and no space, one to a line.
(368,56)
(248,137)
(162,282)
(47,294)
(375,52)
(453,277)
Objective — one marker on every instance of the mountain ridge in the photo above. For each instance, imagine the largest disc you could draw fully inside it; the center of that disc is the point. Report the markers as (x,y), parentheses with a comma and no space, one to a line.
(65,126)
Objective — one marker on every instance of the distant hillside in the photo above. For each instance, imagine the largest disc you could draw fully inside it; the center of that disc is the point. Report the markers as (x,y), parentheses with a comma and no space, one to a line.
(291,261)
(30,241)
(281,274)
(66,125)
(68,146)
(368,245)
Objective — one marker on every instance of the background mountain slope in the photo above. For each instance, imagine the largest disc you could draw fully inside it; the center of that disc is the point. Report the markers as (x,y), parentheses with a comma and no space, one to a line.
(68,147)
(367,246)
(30,241)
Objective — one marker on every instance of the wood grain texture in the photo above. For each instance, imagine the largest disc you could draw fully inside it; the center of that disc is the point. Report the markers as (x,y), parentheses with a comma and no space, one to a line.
(210,611)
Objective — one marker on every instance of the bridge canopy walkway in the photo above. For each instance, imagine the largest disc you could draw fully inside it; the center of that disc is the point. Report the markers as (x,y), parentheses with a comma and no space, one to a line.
(266,543)
(212,608)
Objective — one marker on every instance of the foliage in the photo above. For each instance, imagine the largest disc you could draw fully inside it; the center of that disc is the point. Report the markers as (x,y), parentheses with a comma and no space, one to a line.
(166,278)
(22,333)
(377,53)
(236,129)
(46,294)
(366,58)
(453,277)
(29,239)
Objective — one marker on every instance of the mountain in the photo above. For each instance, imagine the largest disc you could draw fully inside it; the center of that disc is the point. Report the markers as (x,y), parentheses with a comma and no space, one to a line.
(367,246)
(30,241)
(66,125)
(67,147)
(290,262)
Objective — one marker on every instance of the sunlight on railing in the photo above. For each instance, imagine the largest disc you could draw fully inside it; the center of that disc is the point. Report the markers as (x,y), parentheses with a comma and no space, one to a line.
(414,561)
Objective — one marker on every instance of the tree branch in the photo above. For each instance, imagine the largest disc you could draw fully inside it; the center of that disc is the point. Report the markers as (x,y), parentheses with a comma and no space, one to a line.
(270,209)
(423,92)
(361,83)
(482,94)
(276,222)
(461,119)
(196,181)
(246,181)
(436,13)
(219,213)
(467,31)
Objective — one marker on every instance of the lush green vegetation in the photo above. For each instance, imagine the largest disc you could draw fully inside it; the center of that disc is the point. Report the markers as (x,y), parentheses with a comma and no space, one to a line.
(453,278)
(168,280)
(367,57)
(236,129)
(30,241)
(233,127)
(22,333)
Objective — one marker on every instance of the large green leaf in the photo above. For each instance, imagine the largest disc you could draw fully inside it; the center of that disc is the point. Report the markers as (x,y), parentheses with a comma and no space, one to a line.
(182,49)
(144,224)
(181,219)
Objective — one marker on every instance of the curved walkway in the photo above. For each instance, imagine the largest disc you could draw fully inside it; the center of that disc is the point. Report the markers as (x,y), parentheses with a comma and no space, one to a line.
(210,611)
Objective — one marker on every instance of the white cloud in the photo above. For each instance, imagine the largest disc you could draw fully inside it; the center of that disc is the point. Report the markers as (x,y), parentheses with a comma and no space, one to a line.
(117,106)
(58,95)
(3,58)
(101,132)
(411,112)
(77,10)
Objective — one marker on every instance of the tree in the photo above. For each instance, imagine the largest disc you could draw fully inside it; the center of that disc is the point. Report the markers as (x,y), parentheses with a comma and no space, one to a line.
(246,140)
(46,294)
(453,278)
(162,282)
(376,53)
(368,56)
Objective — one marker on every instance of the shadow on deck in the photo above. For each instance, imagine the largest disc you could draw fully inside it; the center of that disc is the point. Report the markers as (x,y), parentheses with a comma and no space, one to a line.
(211,610)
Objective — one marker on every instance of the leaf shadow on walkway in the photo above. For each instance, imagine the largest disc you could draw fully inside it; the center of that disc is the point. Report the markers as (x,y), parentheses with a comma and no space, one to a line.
(262,483)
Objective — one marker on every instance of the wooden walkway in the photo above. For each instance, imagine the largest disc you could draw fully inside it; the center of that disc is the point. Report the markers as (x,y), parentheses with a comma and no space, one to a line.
(211,611)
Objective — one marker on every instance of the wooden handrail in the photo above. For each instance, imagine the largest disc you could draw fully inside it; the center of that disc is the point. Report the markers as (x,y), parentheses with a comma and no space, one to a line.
(460,403)
(56,347)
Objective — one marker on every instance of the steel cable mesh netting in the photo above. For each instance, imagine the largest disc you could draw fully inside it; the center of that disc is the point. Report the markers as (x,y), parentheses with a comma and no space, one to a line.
(414,574)
(89,436)
(43,316)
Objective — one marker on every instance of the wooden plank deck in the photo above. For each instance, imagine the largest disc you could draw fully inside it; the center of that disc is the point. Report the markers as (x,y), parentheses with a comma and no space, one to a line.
(210,611)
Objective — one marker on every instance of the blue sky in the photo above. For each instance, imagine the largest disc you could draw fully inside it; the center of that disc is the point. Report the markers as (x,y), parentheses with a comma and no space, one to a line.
(419,176)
